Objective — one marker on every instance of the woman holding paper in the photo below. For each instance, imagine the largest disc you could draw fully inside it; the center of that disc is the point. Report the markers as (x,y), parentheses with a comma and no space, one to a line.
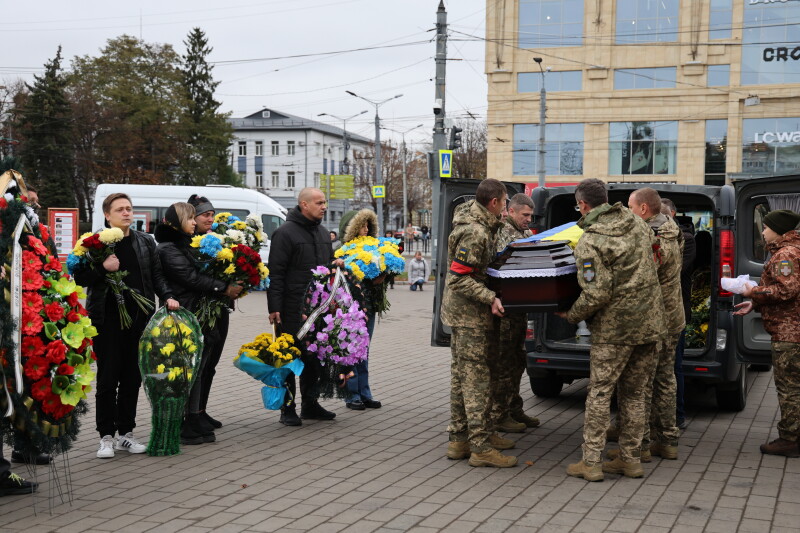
(777,298)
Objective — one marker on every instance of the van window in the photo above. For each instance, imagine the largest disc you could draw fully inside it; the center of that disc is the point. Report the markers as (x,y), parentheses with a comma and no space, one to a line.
(759,246)
(146,218)
(271,223)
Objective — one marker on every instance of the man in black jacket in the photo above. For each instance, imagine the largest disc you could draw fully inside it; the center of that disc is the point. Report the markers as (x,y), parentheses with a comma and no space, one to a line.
(118,376)
(299,245)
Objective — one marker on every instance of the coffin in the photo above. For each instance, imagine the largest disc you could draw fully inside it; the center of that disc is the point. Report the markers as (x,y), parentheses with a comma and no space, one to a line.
(535,277)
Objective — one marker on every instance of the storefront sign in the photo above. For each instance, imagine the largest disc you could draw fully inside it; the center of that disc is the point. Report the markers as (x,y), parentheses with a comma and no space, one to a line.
(754,2)
(781,53)
(777,136)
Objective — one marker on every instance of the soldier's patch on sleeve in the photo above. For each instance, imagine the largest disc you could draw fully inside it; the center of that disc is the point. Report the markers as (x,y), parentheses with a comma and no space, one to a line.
(784,268)
(461,255)
(588,271)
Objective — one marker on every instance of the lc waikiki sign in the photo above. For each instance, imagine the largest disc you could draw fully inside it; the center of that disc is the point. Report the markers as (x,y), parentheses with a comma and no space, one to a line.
(777,136)
(754,2)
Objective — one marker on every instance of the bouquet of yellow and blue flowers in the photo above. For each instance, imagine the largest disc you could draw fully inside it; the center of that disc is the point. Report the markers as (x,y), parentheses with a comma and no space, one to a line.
(368,258)
(270,359)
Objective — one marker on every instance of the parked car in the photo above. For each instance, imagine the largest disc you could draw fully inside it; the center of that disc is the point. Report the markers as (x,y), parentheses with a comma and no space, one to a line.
(728,221)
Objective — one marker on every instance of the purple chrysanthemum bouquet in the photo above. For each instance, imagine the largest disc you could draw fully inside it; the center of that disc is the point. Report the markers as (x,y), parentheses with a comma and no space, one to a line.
(337,333)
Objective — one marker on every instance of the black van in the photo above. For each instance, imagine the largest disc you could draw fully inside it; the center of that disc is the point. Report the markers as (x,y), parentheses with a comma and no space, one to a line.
(728,225)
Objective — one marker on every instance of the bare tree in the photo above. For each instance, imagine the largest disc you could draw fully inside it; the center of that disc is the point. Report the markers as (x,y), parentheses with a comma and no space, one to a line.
(470,160)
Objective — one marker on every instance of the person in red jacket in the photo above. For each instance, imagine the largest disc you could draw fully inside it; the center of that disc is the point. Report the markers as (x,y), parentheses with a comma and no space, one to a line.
(777,298)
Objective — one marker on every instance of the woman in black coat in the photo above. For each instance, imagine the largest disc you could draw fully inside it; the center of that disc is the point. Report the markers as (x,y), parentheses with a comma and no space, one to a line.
(189,285)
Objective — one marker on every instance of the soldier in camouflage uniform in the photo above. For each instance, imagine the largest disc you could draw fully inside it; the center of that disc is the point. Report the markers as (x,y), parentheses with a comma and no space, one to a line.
(777,298)
(468,307)
(507,369)
(621,303)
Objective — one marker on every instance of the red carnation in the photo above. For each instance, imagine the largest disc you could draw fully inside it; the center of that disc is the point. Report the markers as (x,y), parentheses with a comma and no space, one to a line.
(36,367)
(54,311)
(31,260)
(32,301)
(72,316)
(62,411)
(31,280)
(72,299)
(56,352)
(45,232)
(50,403)
(40,389)
(3,203)
(65,370)
(53,265)
(36,245)
(82,310)
(32,346)
(86,343)
(31,323)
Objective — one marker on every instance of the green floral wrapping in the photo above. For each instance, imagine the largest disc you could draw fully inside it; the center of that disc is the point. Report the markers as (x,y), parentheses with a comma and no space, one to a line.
(169,356)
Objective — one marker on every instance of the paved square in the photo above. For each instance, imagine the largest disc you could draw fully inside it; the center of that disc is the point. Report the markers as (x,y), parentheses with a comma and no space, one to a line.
(385,470)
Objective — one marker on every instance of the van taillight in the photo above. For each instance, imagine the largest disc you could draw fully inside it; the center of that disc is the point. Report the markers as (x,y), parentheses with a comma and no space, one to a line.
(726,251)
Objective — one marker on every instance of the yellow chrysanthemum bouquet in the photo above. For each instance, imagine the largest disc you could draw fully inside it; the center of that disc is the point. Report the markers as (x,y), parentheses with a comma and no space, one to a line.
(270,358)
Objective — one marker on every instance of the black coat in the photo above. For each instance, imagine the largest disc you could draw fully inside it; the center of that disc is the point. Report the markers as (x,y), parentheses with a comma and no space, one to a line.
(297,246)
(153,281)
(181,268)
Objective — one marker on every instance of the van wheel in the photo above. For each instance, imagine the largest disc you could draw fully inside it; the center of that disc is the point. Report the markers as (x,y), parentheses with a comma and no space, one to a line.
(547,387)
(735,397)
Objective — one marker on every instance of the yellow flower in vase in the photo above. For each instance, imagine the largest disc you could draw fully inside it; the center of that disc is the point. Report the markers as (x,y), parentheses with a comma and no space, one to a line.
(167,349)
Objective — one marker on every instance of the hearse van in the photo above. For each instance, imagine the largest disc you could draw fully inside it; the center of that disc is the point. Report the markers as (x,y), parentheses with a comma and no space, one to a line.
(727,223)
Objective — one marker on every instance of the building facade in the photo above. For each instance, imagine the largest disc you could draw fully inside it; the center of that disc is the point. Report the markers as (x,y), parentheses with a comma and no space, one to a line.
(279,154)
(683,91)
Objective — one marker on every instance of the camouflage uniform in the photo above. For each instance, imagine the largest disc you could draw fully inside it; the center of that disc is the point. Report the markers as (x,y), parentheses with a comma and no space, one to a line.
(621,304)
(466,308)
(777,298)
(507,369)
(660,397)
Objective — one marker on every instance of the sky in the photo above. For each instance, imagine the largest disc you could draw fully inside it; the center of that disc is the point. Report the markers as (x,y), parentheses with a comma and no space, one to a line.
(270,31)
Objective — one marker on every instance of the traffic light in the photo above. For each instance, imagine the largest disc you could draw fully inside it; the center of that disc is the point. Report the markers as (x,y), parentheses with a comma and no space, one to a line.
(454,139)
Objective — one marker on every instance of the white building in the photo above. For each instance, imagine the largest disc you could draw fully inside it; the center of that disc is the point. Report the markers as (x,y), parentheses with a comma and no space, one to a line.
(279,154)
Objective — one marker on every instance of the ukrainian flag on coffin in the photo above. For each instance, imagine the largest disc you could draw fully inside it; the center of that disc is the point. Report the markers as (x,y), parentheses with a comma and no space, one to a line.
(565,232)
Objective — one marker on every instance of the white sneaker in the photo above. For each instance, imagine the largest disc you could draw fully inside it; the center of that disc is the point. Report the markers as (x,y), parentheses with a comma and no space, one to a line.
(129,443)
(106,450)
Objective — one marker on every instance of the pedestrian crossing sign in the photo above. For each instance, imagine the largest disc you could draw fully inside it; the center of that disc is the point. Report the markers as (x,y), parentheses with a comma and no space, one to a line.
(446,163)
(379,191)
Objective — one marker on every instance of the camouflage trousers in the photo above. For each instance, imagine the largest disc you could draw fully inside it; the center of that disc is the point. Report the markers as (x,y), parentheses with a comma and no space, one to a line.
(506,369)
(469,387)
(660,398)
(786,372)
(628,369)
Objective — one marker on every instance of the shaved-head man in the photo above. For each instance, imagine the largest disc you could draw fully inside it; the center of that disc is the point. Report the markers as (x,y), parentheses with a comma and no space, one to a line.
(299,245)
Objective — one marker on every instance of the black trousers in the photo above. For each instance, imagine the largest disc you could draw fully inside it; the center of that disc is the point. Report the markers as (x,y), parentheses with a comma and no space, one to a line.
(213,352)
(118,376)
(309,379)
(5,466)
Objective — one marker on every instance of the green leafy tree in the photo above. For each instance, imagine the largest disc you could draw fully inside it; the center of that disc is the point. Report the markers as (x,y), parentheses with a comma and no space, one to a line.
(44,126)
(207,131)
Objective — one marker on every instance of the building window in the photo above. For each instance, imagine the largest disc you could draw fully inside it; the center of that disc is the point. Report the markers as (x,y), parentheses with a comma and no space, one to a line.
(645,78)
(260,180)
(563,149)
(324,165)
(290,179)
(769,43)
(647,21)
(259,148)
(720,19)
(771,145)
(242,148)
(550,23)
(531,82)
(276,148)
(719,75)
(276,180)
(716,148)
(290,148)
(642,148)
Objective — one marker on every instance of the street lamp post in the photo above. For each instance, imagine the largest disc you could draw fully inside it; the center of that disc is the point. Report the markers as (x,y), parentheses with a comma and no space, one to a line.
(345,162)
(378,170)
(405,174)
(542,122)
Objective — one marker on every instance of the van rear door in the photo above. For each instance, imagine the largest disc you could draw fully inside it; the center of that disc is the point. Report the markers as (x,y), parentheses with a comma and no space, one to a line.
(755,197)
(454,193)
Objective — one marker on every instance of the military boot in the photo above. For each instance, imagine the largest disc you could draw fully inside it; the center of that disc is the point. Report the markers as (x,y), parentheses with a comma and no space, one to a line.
(618,466)
(499,443)
(492,457)
(529,421)
(457,450)
(665,451)
(612,434)
(587,472)
(783,447)
(645,455)
(509,425)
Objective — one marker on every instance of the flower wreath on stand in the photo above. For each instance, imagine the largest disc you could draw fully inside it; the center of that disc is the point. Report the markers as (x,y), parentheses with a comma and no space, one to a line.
(45,334)
(336,327)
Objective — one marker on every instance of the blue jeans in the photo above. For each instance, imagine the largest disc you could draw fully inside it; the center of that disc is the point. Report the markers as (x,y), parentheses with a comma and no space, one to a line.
(680,414)
(417,284)
(358,385)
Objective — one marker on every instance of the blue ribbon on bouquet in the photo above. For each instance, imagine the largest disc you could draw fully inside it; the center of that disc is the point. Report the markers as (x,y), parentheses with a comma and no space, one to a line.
(274,379)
